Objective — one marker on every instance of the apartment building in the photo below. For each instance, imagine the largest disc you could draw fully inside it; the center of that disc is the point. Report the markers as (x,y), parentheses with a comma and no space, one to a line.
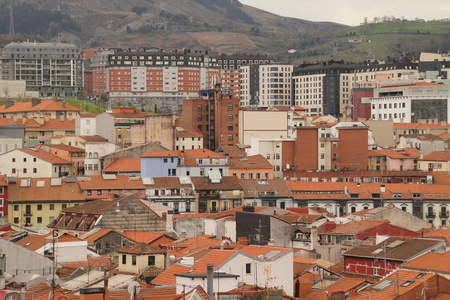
(410,102)
(33,163)
(52,69)
(27,206)
(265,85)
(215,115)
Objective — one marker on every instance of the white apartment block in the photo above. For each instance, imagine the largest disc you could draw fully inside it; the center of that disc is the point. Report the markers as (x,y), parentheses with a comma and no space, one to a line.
(308,93)
(266,85)
(409,103)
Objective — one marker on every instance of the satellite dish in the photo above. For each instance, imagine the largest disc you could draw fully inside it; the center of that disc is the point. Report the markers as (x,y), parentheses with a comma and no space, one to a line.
(52,281)
(134,288)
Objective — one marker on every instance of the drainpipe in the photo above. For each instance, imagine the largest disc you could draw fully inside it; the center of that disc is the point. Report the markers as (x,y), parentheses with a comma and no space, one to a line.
(210,289)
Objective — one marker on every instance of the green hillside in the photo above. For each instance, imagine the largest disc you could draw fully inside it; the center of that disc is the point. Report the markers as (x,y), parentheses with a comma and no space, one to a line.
(85,106)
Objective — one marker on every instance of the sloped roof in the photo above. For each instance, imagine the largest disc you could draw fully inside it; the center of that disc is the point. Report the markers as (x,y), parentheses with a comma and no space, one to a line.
(93,138)
(437,156)
(98,182)
(44,155)
(405,249)
(354,227)
(250,162)
(227,183)
(141,249)
(188,133)
(64,192)
(188,154)
(251,187)
(61,147)
(36,241)
(432,261)
(44,105)
(124,165)
(143,236)
(396,291)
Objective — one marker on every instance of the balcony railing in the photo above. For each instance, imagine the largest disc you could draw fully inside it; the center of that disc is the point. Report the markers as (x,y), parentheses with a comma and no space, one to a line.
(431,215)
(443,214)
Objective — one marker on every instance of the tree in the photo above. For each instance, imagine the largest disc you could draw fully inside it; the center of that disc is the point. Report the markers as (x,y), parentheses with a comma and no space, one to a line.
(365,20)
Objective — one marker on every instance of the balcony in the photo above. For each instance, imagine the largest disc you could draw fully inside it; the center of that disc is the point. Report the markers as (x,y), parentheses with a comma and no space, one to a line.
(28,213)
(430,215)
(443,214)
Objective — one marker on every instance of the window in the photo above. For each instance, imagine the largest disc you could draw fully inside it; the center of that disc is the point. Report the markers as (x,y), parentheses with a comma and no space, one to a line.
(52,206)
(230,117)
(376,271)
(230,127)
(24,159)
(353,209)
(248,268)
(230,137)
(89,193)
(13,159)
(199,117)
(16,207)
(39,220)
(99,192)
(24,170)
(133,260)
(16,220)
(230,107)
(165,160)
(124,259)
(34,170)
(64,206)
(39,207)
(13,170)
(151,260)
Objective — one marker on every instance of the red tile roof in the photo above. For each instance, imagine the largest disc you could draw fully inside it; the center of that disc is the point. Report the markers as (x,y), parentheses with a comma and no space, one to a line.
(63,147)
(141,236)
(93,138)
(36,241)
(432,261)
(44,105)
(141,249)
(250,162)
(168,277)
(188,133)
(437,156)
(64,192)
(46,156)
(97,182)
(124,165)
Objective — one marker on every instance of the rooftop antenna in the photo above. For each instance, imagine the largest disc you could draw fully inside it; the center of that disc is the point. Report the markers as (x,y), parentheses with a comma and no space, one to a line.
(11,22)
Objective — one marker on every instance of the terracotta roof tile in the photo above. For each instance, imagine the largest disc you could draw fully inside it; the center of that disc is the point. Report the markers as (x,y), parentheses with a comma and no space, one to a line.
(63,147)
(188,133)
(141,236)
(93,138)
(432,261)
(97,182)
(437,156)
(124,165)
(250,162)
(44,105)
(256,251)
(254,187)
(64,192)
(46,156)
(168,277)
(227,183)
(141,249)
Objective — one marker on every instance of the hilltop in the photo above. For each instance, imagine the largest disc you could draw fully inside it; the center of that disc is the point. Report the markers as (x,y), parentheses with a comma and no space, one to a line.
(219,26)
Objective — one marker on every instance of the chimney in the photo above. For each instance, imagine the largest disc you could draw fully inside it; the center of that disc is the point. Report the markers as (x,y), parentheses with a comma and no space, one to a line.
(9,103)
(61,117)
(14,118)
(209,283)
(35,101)
(329,226)
(39,119)
(46,118)
(314,238)
(24,120)
(242,241)
(63,103)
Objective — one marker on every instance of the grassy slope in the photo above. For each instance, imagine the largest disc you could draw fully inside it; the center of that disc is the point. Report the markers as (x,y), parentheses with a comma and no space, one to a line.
(85,106)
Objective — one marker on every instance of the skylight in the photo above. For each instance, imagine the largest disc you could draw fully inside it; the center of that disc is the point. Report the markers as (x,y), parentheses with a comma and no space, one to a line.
(384,284)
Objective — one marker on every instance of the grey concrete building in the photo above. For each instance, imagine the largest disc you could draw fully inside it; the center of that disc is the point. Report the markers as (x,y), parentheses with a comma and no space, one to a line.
(52,69)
